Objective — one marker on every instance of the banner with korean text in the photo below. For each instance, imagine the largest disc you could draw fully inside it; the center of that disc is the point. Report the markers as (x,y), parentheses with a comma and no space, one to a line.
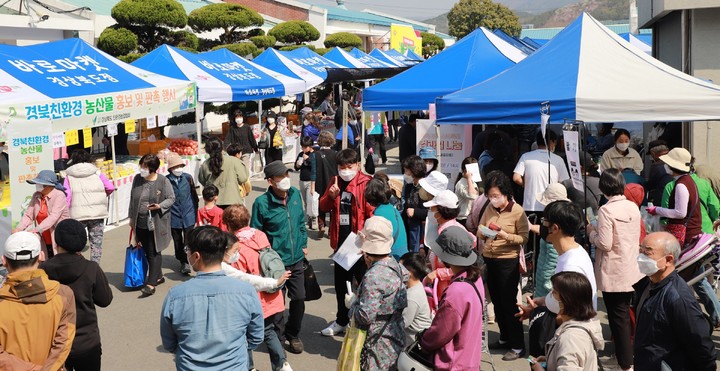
(455,145)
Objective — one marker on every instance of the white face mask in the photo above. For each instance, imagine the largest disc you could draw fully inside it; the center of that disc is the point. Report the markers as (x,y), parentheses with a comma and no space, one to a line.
(552,304)
(429,167)
(177,172)
(622,146)
(284,184)
(408,178)
(667,169)
(647,265)
(347,174)
(498,202)
(270,120)
(233,258)
(239,120)
(144,172)
(39,187)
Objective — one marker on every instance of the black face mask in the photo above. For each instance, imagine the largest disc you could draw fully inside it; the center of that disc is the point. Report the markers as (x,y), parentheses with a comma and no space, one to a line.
(544,232)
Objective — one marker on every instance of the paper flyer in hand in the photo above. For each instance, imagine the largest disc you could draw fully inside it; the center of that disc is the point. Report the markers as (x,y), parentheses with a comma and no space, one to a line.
(348,254)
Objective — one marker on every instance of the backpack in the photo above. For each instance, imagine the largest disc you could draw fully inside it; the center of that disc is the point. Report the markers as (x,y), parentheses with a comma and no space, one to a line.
(271,265)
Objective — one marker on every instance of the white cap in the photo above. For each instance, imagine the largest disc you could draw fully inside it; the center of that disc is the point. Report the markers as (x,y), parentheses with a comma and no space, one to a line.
(22,246)
(446,198)
(434,183)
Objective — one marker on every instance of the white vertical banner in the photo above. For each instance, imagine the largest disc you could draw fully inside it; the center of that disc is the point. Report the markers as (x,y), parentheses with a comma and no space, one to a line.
(572,151)
(30,151)
(455,144)
(544,120)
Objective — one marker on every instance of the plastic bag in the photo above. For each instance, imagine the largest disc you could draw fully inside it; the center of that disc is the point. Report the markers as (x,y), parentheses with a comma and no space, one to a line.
(312,287)
(313,201)
(349,358)
(652,222)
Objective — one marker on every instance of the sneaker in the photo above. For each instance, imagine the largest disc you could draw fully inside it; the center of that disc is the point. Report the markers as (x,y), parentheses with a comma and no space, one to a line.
(333,329)
(185,269)
(295,346)
(512,355)
(285,367)
(148,290)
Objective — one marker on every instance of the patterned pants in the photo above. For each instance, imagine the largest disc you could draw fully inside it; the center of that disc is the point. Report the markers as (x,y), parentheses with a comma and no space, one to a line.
(95,229)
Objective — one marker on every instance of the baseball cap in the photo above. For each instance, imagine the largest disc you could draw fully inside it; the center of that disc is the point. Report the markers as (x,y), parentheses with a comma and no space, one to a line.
(446,198)
(275,168)
(22,246)
(376,236)
(434,183)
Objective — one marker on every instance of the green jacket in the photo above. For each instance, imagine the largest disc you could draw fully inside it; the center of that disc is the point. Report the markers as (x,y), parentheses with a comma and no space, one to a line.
(283,225)
(233,175)
(709,203)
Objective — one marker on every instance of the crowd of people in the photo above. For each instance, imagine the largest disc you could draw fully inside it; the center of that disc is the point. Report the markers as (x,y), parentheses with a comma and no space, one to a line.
(437,257)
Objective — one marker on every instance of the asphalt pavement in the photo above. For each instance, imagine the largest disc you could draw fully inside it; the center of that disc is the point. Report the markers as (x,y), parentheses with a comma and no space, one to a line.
(130,326)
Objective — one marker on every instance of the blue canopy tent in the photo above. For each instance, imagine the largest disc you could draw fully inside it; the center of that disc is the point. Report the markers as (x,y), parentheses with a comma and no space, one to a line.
(384,57)
(477,57)
(371,61)
(362,67)
(275,61)
(396,55)
(413,56)
(344,58)
(312,61)
(514,41)
(539,42)
(586,73)
(534,44)
(221,76)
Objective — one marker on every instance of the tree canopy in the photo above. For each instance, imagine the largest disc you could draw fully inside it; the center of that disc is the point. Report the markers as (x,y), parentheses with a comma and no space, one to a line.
(228,17)
(294,32)
(343,40)
(263,42)
(431,43)
(467,15)
(150,20)
(117,41)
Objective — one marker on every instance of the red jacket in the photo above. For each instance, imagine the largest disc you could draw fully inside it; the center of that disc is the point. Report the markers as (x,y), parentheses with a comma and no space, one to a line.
(360,208)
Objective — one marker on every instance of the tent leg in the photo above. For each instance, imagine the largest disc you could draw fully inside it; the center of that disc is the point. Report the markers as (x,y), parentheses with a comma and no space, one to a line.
(199,114)
(115,180)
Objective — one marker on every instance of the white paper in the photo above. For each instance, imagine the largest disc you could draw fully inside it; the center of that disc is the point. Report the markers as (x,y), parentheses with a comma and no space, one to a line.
(544,119)
(151,123)
(58,140)
(474,169)
(572,151)
(112,130)
(348,254)
(162,119)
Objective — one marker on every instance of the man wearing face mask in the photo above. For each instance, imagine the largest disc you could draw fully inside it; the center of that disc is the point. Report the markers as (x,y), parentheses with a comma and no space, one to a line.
(345,201)
(240,134)
(671,330)
(280,214)
(562,221)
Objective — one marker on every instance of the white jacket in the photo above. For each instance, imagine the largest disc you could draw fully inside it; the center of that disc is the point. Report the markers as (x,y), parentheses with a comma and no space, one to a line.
(574,346)
(89,200)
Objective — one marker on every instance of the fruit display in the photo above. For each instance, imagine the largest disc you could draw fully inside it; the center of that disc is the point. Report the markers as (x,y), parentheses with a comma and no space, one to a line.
(183,147)
(109,168)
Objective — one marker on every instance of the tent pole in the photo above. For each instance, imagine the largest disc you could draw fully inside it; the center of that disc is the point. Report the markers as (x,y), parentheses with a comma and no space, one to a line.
(199,108)
(115,180)
(344,117)
(437,146)
(363,130)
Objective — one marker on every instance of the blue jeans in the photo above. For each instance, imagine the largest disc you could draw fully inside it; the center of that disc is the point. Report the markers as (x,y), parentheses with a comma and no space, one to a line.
(707,297)
(272,341)
(414,232)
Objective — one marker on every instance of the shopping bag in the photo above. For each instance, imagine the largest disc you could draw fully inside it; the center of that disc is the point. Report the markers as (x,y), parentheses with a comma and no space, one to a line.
(136,266)
(312,287)
(352,346)
(313,201)
(257,165)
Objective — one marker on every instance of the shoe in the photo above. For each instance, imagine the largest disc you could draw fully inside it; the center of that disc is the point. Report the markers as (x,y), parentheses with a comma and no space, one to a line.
(512,355)
(160,281)
(148,290)
(333,329)
(295,346)
(498,345)
(285,367)
(185,269)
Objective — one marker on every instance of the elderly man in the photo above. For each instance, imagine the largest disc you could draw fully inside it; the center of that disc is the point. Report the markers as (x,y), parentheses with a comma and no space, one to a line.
(671,331)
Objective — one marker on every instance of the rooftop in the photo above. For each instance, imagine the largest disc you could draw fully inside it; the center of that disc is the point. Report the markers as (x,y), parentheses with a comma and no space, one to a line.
(341,13)
(104,7)
(549,33)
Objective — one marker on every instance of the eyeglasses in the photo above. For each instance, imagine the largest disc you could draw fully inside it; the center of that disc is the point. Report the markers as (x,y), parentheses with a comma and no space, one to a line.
(545,222)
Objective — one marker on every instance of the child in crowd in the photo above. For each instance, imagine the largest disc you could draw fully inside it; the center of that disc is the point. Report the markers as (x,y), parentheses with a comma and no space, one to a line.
(417,314)
(306,163)
(211,214)
(259,283)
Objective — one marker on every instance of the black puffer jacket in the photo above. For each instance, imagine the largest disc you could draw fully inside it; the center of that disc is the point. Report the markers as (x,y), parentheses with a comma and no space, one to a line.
(671,328)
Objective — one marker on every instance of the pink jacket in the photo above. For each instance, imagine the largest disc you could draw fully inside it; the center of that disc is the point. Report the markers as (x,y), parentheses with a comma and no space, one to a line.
(454,335)
(57,212)
(616,239)
(251,242)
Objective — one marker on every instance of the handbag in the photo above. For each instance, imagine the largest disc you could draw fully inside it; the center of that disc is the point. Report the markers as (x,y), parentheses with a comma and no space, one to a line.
(136,265)
(414,358)
(263,141)
(352,346)
(312,287)
(369,164)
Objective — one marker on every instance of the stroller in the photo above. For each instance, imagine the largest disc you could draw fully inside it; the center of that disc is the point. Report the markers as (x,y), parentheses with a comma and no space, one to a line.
(705,253)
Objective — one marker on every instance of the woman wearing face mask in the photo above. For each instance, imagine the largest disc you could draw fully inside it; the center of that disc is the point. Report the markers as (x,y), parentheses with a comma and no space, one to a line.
(501,255)
(377,194)
(241,134)
(414,212)
(429,156)
(466,189)
(258,282)
(275,141)
(616,237)
(579,337)
(151,198)
(227,173)
(184,211)
(48,207)
(621,156)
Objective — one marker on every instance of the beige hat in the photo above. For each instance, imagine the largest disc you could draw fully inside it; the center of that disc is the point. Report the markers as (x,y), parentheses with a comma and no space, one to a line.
(678,158)
(554,192)
(376,237)
(174,161)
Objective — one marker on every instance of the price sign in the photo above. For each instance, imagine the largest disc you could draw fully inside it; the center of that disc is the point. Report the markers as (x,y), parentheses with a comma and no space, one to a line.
(112,130)
(58,140)
(163,119)
(151,123)
(129,126)
(87,137)
(71,137)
